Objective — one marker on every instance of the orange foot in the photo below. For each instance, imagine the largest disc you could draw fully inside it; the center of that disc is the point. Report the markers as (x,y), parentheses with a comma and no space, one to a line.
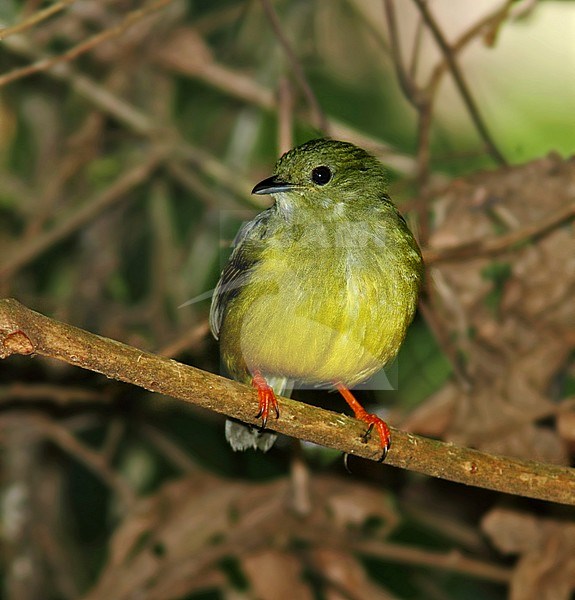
(369,418)
(266,398)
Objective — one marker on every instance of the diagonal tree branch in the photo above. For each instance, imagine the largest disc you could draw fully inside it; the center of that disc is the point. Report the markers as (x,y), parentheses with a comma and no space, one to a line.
(85,46)
(460,81)
(116,192)
(492,246)
(23,331)
(319,118)
(35,19)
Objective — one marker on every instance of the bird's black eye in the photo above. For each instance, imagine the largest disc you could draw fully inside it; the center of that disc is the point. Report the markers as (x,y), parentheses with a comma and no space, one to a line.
(321,175)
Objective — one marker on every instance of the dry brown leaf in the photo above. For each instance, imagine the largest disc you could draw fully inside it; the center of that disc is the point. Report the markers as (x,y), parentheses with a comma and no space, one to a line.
(434,416)
(354,506)
(167,542)
(546,567)
(276,575)
(510,315)
(345,576)
(566,425)
(174,542)
(185,51)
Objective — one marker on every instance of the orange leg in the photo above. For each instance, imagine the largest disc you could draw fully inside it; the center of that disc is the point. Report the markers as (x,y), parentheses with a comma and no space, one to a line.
(266,398)
(369,418)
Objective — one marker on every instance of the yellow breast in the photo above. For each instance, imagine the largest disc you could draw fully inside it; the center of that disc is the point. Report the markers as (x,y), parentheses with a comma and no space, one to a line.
(320,314)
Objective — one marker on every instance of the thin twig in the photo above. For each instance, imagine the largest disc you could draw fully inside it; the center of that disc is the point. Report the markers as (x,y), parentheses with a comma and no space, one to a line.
(143,124)
(416,50)
(85,46)
(61,395)
(453,561)
(370,25)
(409,555)
(496,245)
(81,149)
(187,340)
(490,20)
(319,117)
(246,89)
(90,458)
(224,79)
(460,82)
(37,17)
(285,116)
(420,98)
(93,460)
(23,331)
(406,83)
(116,192)
(170,449)
(446,344)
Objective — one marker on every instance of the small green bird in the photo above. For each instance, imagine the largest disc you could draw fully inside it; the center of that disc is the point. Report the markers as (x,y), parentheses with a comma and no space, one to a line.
(320,287)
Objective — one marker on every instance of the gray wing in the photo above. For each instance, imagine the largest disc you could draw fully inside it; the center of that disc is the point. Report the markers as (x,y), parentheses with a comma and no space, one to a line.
(237,271)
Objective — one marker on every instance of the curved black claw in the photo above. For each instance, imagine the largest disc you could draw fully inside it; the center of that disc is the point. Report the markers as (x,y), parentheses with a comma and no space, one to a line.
(384,453)
(365,437)
(345,462)
(264,419)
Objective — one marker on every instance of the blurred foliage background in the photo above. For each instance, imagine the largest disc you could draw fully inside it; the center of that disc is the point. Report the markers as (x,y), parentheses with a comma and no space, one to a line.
(130,136)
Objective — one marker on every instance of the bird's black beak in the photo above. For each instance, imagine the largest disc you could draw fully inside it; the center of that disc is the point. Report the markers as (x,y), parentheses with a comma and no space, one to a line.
(271,185)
